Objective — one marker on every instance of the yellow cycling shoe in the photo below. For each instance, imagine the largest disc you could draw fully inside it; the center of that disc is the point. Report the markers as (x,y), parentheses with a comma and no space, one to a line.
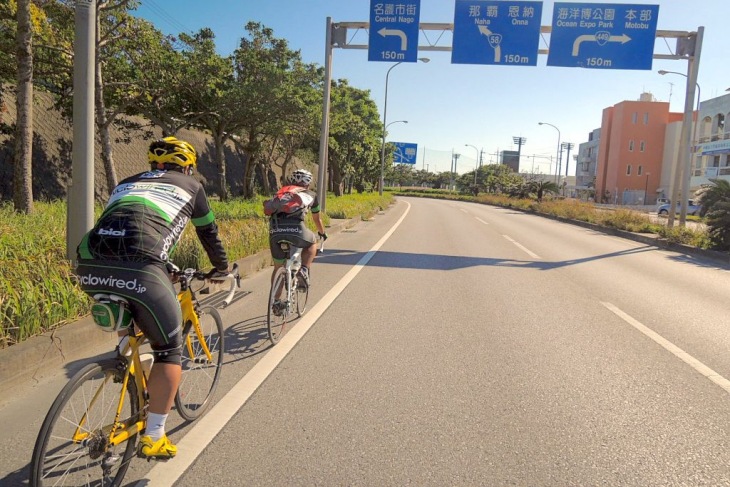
(161,449)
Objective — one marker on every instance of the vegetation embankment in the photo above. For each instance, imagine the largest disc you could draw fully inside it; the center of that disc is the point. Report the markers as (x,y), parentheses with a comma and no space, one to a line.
(37,290)
(622,219)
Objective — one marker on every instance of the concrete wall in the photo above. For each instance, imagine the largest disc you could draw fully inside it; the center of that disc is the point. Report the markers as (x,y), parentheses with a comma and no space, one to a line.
(52,149)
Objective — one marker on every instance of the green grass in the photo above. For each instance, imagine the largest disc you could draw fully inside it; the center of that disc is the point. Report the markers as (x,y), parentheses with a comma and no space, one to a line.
(37,289)
(621,219)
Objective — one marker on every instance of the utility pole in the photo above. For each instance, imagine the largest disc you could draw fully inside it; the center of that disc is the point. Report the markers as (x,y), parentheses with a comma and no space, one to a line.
(80,217)
(567,146)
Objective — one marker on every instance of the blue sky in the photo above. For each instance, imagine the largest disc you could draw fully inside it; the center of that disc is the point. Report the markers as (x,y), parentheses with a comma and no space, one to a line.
(450,105)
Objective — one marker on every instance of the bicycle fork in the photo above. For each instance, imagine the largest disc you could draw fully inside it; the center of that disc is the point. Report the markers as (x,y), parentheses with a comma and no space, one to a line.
(194,323)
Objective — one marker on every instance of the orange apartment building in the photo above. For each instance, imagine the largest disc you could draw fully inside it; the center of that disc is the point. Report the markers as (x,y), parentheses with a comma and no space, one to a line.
(631,151)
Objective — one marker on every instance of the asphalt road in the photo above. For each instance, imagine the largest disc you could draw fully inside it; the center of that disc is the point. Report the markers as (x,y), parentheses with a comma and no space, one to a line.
(452,343)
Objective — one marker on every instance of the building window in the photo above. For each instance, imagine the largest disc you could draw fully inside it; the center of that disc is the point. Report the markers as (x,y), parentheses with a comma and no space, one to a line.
(631,145)
(642,146)
(646,118)
(634,117)
(628,170)
(639,170)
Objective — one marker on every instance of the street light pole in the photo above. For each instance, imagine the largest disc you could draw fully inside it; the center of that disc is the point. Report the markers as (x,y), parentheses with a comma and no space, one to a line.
(558,151)
(699,97)
(477,163)
(385,114)
(683,154)
(382,155)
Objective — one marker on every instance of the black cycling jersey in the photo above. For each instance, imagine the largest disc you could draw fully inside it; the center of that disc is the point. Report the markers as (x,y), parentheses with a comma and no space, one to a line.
(145,217)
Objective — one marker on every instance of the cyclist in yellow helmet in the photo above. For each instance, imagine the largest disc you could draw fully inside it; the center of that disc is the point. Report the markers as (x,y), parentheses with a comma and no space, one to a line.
(128,252)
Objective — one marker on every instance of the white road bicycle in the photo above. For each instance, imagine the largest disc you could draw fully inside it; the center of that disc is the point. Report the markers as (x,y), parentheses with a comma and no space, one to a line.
(289,292)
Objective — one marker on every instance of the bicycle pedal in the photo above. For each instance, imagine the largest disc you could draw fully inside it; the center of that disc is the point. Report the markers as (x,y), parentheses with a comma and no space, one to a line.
(153,459)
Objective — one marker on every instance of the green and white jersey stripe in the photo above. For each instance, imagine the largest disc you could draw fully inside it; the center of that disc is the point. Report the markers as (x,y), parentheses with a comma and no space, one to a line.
(166,199)
(145,217)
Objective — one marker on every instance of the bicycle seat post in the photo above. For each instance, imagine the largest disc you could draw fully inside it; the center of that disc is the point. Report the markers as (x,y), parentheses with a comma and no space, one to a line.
(295,256)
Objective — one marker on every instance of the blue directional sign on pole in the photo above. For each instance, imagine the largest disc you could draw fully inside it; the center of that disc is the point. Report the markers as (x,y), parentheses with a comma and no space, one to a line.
(496,32)
(603,35)
(405,152)
(394,27)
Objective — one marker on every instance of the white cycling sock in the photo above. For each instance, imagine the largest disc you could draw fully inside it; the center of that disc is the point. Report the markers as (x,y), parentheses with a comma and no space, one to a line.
(156,426)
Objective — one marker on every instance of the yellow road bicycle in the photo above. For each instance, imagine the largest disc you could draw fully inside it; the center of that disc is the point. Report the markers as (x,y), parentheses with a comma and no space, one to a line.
(89,435)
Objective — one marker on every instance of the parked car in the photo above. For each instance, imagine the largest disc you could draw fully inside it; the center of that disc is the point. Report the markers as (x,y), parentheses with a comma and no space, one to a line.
(662,201)
(692,208)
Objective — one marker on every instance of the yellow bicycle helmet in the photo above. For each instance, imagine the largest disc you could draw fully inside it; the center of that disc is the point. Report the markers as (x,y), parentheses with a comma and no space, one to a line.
(170,150)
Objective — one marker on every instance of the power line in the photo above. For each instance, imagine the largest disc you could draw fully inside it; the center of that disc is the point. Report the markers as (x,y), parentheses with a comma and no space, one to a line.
(166,17)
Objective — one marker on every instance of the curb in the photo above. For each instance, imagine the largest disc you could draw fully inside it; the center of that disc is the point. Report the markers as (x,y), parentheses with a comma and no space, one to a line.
(720,258)
(40,356)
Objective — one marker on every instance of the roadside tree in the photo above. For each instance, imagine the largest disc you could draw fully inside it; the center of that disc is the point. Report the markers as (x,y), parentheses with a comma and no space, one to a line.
(715,201)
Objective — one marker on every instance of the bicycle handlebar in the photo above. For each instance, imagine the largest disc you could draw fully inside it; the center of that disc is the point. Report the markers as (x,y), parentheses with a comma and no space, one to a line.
(233,276)
(235,282)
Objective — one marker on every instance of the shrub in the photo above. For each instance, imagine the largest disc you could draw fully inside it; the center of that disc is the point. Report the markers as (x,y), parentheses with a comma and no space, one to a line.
(37,289)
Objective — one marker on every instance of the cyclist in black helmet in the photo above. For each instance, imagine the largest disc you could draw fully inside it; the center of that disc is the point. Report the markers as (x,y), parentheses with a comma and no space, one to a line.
(290,227)
(127,253)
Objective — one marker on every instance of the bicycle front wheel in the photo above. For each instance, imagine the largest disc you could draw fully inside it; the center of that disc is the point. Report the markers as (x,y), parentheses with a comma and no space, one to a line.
(202,361)
(73,445)
(279,306)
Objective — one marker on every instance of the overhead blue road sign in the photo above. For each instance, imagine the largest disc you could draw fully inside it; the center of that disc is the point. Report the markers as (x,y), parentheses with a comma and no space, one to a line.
(394,27)
(603,35)
(496,32)
(405,152)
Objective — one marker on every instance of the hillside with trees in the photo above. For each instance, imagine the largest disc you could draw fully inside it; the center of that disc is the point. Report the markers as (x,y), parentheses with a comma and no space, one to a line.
(252,114)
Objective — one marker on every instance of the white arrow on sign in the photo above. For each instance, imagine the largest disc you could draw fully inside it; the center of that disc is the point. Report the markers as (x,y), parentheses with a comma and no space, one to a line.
(601,38)
(394,32)
(494,41)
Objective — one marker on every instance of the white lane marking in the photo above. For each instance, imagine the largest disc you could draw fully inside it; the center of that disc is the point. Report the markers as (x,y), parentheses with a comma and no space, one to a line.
(480,220)
(200,435)
(520,246)
(462,209)
(681,354)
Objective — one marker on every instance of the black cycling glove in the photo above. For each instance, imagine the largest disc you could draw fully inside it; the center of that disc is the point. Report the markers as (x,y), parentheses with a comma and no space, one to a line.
(323,236)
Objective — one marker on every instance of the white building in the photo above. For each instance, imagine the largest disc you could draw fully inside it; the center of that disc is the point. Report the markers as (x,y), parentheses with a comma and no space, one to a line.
(710,159)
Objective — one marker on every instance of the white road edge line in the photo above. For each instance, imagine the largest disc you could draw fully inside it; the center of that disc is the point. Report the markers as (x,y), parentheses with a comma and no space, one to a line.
(520,246)
(681,354)
(206,429)
(480,220)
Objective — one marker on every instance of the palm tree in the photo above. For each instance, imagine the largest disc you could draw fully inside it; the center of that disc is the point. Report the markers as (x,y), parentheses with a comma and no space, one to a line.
(718,190)
(715,201)
(541,187)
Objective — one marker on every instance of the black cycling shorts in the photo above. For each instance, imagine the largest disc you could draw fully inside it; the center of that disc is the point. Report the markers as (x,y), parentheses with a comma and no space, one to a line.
(151,295)
(294,232)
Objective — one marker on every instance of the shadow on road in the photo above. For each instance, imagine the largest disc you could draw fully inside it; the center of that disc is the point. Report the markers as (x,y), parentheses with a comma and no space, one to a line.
(405,260)
(19,477)
(246,339)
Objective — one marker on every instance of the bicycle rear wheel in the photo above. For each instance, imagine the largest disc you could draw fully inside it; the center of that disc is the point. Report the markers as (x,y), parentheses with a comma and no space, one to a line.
(85,409)
(200,374)
(279,308)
